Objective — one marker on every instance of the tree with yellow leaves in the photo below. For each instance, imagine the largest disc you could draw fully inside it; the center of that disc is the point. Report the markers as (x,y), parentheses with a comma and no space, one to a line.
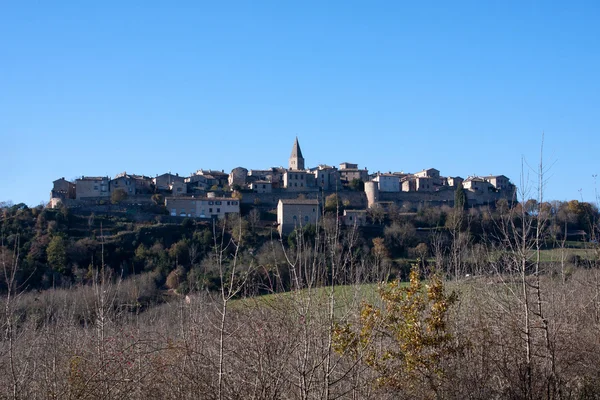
(406,339)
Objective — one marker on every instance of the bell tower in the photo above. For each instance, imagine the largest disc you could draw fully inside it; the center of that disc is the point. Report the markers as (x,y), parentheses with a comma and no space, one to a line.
(296,160)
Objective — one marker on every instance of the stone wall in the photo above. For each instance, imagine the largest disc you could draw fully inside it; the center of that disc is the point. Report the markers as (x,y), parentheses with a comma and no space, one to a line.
(355,199)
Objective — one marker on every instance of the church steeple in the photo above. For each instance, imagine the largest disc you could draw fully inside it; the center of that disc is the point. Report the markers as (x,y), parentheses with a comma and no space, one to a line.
(296,159)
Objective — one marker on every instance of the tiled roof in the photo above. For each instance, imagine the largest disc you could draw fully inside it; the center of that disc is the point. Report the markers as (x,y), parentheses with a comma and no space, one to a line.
(299,201)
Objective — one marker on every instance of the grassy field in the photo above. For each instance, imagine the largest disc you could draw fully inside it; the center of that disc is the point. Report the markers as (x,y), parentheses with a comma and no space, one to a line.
(568,254)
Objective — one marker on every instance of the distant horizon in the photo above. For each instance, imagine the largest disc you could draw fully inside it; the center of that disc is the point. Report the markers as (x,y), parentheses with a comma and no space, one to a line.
(466,88)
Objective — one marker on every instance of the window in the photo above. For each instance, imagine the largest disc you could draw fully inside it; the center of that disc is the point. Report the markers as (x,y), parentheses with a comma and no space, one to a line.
(295,183)
(218,210)
(210,203)
(228,203)
(294,217)
(179,189)
(306,218)
(218,203)
(210,210)
(95,187)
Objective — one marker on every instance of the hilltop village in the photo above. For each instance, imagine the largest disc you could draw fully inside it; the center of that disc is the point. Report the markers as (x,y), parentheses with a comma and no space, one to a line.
(297,192)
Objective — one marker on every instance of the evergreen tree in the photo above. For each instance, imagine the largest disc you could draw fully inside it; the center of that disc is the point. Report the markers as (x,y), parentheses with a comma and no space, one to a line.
(460,198)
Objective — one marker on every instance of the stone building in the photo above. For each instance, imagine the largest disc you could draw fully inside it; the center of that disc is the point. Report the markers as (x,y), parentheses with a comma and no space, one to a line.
(296,213)
(500,182)
(63,189)
(90,187)
(387,182)
(327,178)
(296,161)
(238,177)
(355,217)
(296,181)
(165,181)
(431,173)
(205,207)
(454,181)
(178,188)
(261,187)
(477,184)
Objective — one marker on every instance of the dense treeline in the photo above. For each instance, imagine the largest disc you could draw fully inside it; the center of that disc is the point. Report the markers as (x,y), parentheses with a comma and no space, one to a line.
(59,248)
(524,325)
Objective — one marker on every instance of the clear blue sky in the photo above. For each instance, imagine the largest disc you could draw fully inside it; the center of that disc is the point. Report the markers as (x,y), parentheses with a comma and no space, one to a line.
(97,88)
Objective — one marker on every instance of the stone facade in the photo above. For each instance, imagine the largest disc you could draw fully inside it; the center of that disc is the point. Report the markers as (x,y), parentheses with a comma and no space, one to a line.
(387,182)
(164,181)
(178,188)
(88,187)
(355,217)
(207,207)
(296,181)
(327,178)
(62,190)
(237,176)
(454,181)
(477,184)
(500,182)
(261,187)
(296,213)
(296,161)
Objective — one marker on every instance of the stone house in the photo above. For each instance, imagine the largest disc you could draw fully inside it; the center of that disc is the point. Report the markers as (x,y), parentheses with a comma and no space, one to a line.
(63,189)
(500,182)
(454,181)
(349,174)
(218,178)
(164,181)
(477,184)
(420,183)
(273,175)
(347,165)
(144,184)
(295,213)
(425,183)
(91,187)
(432,173)
(295,181)
(327,178)
(132,184)
(178,188)
(387,182)
(205,207)
(428,173)
(409,184)
(355,217)
(238,177)
(261,187)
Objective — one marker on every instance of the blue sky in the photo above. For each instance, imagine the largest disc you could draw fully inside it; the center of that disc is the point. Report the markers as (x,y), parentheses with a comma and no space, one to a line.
(147,87)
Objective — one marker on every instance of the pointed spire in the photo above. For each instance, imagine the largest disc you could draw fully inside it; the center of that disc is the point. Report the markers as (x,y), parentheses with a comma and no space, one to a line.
(296,152)
(296,159)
